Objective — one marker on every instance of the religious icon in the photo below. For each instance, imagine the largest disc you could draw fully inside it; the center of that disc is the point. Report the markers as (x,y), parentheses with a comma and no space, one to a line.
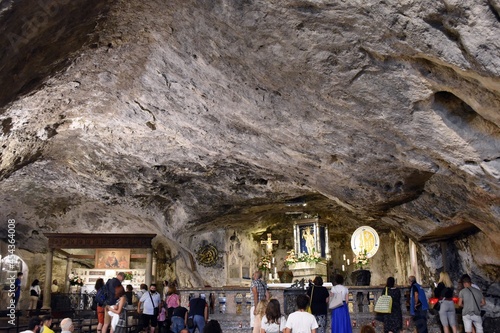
(269,244)
(112,258)
(365,238)
(311,238)
(207,255)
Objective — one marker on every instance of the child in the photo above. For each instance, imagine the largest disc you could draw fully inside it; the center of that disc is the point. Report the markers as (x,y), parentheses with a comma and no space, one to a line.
(162,318)
(261,311)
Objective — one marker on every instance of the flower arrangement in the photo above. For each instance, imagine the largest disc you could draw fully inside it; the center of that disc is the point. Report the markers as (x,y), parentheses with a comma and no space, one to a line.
(292,258)
(128,276)
(264,263)
(361,261)
(75,280)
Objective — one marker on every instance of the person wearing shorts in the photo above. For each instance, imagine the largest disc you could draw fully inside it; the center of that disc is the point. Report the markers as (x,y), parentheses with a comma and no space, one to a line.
(147,304)
(471,299)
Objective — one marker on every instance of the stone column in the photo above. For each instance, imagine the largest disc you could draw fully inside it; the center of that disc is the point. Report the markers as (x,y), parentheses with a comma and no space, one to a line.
(149,266)
(154,267)
(48,279)
(69,267)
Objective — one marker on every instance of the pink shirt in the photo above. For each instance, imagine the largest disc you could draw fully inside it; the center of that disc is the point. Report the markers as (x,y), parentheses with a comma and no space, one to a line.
(173,301)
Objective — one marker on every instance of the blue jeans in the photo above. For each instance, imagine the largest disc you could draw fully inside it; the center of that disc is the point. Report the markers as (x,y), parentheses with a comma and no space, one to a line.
(420,320)
(199,322)
(177,324)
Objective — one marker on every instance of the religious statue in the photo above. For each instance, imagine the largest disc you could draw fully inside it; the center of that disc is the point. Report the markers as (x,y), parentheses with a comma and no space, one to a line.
(309,240)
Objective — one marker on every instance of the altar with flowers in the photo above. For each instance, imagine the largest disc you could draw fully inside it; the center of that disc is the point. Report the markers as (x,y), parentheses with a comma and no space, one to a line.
(308,270)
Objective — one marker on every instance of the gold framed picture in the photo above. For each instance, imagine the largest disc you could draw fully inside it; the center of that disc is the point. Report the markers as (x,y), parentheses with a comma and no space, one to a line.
(112,258)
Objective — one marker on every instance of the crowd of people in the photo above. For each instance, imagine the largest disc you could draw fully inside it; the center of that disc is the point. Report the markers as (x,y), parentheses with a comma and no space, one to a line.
(163,313)
(316,305)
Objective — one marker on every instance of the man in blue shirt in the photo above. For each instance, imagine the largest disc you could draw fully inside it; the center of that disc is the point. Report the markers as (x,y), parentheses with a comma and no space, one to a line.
(17,291)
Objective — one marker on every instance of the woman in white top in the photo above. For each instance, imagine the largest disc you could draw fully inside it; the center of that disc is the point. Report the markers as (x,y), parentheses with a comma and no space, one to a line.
(341,321)
(34,294)
(273,321)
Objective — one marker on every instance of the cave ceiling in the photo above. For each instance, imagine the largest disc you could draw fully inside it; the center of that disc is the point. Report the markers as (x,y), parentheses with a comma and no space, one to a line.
(180,117)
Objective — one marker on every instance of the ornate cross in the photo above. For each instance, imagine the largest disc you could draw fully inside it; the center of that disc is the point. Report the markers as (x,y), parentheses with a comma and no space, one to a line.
(269,244)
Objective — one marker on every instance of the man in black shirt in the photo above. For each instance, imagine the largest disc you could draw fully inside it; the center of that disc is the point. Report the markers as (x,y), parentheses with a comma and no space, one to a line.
(198,310)
(179,318)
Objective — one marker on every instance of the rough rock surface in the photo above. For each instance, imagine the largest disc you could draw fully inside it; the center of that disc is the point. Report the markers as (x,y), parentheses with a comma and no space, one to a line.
(182,117)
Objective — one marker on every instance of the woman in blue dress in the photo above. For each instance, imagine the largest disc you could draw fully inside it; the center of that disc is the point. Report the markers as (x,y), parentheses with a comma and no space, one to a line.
(341,321)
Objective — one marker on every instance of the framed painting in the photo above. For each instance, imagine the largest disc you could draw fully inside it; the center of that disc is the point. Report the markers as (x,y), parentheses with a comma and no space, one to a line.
(112,258)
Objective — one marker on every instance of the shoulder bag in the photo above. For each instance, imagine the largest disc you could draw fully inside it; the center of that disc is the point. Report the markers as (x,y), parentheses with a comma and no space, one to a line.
(335,301)
(384,303)
(156,309)
(309,309)
(481,312)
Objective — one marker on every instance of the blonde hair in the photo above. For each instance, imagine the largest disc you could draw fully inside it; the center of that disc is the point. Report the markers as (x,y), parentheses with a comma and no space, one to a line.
(261,307)
(445,278)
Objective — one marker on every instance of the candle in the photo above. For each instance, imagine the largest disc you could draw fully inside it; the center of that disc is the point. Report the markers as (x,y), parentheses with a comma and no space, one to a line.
(348,263)
(273,260)
(276,276)
(270,276)
(343,268)
(275,270)
(344,257)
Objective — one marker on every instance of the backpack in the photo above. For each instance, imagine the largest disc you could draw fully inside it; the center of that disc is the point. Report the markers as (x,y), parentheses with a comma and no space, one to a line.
(101,296)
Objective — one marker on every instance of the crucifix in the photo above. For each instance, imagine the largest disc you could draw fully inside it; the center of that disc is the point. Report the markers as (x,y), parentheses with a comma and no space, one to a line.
(269,244)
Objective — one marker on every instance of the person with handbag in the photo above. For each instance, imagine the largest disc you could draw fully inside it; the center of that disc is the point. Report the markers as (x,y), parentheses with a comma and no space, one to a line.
(445,305)
(393,321)
(319,297)
(339,296)
(149,307)
(471,299)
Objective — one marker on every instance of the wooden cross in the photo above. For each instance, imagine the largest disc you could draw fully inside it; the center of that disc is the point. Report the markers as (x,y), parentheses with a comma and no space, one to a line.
(269,244)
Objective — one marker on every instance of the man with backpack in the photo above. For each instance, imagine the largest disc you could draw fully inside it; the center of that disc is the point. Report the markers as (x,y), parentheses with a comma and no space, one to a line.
(109,289)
